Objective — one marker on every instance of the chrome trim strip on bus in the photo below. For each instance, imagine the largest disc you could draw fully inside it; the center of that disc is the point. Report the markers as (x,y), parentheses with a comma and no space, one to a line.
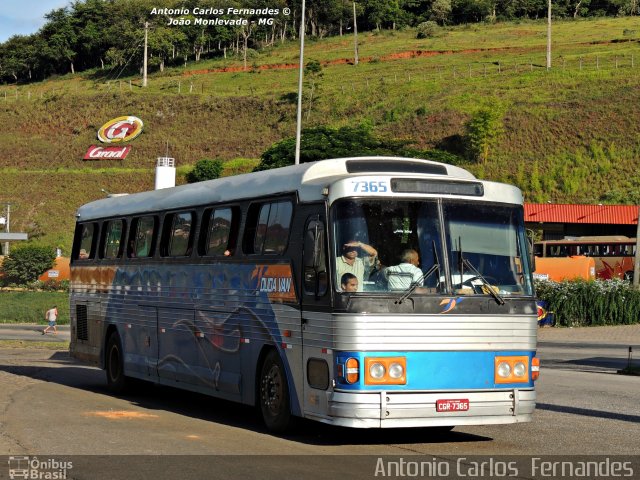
(422,332)
(390,409)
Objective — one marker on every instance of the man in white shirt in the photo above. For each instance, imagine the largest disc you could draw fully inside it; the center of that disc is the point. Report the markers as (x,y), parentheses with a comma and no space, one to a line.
(349,262)
(403,276)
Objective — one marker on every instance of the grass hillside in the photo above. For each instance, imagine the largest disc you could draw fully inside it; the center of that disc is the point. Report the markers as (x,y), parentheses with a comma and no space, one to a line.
(570,134)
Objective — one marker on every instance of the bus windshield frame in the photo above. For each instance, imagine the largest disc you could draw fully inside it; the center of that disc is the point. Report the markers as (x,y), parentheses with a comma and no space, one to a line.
(486,246)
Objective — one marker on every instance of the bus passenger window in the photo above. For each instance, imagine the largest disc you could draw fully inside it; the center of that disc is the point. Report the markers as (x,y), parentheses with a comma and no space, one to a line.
(271,231)
(222,231)
(112,239)
(141,238)
(87,234)
(179,241)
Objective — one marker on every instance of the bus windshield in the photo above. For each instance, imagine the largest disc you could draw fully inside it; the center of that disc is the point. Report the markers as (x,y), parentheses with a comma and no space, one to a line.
(396,246)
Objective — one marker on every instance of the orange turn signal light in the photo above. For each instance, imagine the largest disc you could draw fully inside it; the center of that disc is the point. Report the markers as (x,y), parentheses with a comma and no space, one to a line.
(352,370)
(535,368)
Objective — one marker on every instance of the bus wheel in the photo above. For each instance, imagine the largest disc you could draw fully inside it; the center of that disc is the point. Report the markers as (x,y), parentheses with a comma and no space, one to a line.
(116,380)
(274,394)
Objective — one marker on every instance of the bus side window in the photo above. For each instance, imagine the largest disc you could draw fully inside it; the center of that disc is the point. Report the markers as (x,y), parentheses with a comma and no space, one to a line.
(112,239)
(142,237)
(538,249)
(222,231)
(267,229)
(86,236)
(178,234)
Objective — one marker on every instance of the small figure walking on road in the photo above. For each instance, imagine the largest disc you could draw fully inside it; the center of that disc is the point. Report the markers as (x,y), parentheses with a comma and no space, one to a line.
(51,316)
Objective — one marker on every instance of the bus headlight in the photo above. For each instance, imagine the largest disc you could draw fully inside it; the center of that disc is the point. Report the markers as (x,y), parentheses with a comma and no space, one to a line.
(396,370)
(376,370)
(385,370)
(504,369)
(519,369)
(509,369)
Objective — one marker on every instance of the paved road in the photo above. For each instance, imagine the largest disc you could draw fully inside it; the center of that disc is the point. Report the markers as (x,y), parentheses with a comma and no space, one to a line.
(30,332)
(52,406)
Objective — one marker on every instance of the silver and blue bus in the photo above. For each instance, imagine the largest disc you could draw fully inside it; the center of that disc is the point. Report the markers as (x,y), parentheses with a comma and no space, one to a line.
(235,288)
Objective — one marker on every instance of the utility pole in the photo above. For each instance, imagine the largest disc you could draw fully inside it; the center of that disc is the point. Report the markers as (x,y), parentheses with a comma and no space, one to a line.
(144,67)
(355,35)
(300,73)
(7,227)
(549,35)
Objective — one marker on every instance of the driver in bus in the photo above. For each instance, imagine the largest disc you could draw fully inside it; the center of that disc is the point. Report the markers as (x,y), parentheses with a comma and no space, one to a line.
(351,262)
(407,273)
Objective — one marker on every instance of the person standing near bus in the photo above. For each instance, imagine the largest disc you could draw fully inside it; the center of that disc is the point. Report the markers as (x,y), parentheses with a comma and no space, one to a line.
(350,262)
(51,316)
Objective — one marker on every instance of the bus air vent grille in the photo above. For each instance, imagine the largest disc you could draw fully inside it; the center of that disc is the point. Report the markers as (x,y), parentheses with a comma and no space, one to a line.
(81,322)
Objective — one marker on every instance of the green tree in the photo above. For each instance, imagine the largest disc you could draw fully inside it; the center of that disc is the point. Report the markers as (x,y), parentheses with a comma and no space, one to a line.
(313,74)
(26,263)
(483,131)
(321,143)
(205,169)
(61,38)
(440,11)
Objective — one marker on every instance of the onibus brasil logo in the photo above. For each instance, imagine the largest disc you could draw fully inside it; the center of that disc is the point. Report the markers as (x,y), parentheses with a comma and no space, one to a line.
(32,468)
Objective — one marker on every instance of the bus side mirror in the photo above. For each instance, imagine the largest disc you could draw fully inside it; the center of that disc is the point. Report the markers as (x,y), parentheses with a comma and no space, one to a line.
(316,278)
(532,256)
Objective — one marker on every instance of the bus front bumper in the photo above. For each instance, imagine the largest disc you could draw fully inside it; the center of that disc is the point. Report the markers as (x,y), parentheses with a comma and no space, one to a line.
(394,409)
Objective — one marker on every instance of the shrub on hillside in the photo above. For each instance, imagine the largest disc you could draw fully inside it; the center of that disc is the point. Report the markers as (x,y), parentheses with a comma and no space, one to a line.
(427,29)
(483,131)
(600,302)
(26,263)
(205,169)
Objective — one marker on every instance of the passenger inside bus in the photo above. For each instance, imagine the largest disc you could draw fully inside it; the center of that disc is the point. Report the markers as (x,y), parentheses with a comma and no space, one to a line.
(349,283)
(357,258)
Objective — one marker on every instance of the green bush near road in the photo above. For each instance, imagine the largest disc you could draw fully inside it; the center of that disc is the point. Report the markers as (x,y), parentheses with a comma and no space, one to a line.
(30,307)
(600,302)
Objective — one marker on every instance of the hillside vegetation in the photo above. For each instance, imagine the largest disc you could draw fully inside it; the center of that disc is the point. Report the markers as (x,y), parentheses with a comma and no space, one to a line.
(570,134)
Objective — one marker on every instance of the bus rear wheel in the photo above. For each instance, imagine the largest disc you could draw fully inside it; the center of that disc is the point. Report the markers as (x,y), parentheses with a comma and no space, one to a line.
(114,362)
(274,394)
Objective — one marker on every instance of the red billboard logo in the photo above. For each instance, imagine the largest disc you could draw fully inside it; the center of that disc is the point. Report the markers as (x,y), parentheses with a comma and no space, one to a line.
(96,152)
(121,129)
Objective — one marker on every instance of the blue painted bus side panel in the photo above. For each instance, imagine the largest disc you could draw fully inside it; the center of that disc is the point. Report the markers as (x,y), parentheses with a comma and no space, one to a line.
(202,326)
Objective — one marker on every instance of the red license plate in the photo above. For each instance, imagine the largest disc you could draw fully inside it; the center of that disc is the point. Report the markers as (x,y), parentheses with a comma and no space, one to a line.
(458,405)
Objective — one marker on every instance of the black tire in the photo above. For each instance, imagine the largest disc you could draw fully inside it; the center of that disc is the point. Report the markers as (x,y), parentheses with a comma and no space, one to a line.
(114,364)
(274,394)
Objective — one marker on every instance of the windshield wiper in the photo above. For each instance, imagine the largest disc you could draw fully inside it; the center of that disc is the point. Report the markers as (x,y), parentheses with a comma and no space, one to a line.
(427,274)
(493,293)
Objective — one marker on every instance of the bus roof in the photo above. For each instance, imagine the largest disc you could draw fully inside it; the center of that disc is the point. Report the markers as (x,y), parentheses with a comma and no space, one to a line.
(308,179)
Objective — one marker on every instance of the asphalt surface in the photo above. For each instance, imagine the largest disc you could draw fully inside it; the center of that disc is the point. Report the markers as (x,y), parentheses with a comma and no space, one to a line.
(57,408)
(30,332)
